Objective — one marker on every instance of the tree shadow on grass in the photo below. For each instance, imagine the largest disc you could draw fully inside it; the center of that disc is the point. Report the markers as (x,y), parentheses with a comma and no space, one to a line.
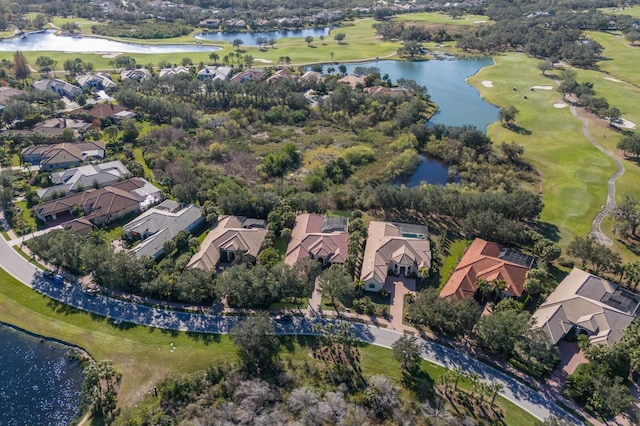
(172,333)
(205,338)
(122,325)
(548,230)
(289,342)
(62,308)
(517,129)
(419,382)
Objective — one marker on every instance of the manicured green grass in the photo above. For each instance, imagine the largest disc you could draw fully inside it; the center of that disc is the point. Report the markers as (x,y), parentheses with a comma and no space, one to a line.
(574,173)
(29,258)
(84,24)
(443,19)
(281,244)
(622,58)
(378,360)
(139,157)
(631,11)
(456,251)
(361,43)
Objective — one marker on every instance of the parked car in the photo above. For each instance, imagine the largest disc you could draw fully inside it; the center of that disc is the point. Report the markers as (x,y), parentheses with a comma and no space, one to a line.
(48,274)
(283,318)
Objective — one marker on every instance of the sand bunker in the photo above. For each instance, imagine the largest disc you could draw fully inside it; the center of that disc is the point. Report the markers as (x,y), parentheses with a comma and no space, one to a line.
(624,124)
(615,80)
(111,55)
(264,61)
(559,105)
(542,87)
(479,22)
(487,83)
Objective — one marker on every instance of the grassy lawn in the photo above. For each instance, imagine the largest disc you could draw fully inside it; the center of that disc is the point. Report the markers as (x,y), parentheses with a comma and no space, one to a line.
(281,244)
(148,173)
(24,214)
(622,57)
(455,253)
(442,19)
(631,11)
(574,173)
(146,355)
(360,43)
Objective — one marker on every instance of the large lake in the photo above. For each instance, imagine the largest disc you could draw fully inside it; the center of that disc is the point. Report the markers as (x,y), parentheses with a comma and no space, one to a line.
(48,41)
(39,383)
(251,39)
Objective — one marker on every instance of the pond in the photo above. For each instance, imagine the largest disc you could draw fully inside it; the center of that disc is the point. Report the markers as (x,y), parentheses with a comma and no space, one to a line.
(49,41)
(39,383)
(458,102)
(251,39)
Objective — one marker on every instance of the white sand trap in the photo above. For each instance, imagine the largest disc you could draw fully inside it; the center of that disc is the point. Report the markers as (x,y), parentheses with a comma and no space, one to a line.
(615,80)
(559,105)
(542,87)
(111,55)
(479,22)
(624,124)
(264,61)
(487,83)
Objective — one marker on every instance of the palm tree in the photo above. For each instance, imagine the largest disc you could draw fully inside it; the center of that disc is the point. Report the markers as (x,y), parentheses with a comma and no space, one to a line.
(495,388)
(498,286)
(214,57)
(98,237)
(484,289)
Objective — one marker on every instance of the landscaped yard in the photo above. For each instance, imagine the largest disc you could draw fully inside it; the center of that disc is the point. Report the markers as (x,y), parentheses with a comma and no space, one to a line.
(454,254)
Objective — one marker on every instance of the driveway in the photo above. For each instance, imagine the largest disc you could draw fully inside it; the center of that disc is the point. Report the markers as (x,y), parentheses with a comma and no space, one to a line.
(398,287)
(570,358)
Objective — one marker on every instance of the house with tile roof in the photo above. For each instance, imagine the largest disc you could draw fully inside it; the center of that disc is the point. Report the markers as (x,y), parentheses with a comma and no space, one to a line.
(320,237)
(311,76)
(230,237)
(282,74)
(80,178)
(101,205)
(139,74)
(587,304)
(171,72)
(249,74)
(400,248)
(98,80)
(488,261)
(160,224)
(7,93)
(62,156)
(211,72)
(58,86)
(352,80)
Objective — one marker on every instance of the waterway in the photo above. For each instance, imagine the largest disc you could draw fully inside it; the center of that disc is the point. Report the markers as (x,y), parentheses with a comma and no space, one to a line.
(39,383)
(459,103)
(49,41)
(251,39)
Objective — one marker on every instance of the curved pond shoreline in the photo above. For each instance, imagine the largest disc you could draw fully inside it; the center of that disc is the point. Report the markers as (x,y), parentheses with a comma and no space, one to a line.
(41,379)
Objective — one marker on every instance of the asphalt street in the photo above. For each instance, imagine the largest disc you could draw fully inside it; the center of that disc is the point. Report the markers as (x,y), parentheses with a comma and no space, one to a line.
(128,312)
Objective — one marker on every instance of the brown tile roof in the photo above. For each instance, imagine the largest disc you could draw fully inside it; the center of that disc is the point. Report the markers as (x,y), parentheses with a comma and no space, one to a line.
(228,234)
(352,80)
(481,261)
(100,111)
(62,153)
(309,240)
(95,202)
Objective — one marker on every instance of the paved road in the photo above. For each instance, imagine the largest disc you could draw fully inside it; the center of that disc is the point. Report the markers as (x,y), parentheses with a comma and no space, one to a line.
(124,311)
(596,233)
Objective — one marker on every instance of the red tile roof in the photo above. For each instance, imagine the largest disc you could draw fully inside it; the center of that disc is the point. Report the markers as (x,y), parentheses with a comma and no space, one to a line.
(481,261)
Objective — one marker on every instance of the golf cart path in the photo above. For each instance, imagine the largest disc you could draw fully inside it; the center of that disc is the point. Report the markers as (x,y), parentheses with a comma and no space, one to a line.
(596,233)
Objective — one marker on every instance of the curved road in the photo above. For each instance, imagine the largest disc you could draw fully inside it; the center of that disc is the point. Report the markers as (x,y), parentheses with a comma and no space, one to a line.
(596,233)
(527,398)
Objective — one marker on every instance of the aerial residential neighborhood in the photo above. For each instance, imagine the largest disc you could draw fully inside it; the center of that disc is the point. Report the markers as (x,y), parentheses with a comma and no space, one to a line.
(240,213)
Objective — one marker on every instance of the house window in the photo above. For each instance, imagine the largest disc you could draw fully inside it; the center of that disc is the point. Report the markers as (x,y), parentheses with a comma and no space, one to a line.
(372,285)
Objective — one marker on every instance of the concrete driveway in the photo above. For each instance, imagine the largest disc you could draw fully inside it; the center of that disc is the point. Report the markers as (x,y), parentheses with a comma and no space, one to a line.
(398,287)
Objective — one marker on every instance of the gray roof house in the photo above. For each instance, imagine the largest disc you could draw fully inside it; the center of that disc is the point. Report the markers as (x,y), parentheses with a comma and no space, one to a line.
(137,74)
(58,86)
(7,93)
(319,237)
(62,156)
(398,247)
(589,304)
(83,177)
(229,237)
(98,80)
(170,72)
(214,73)
(161,224)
